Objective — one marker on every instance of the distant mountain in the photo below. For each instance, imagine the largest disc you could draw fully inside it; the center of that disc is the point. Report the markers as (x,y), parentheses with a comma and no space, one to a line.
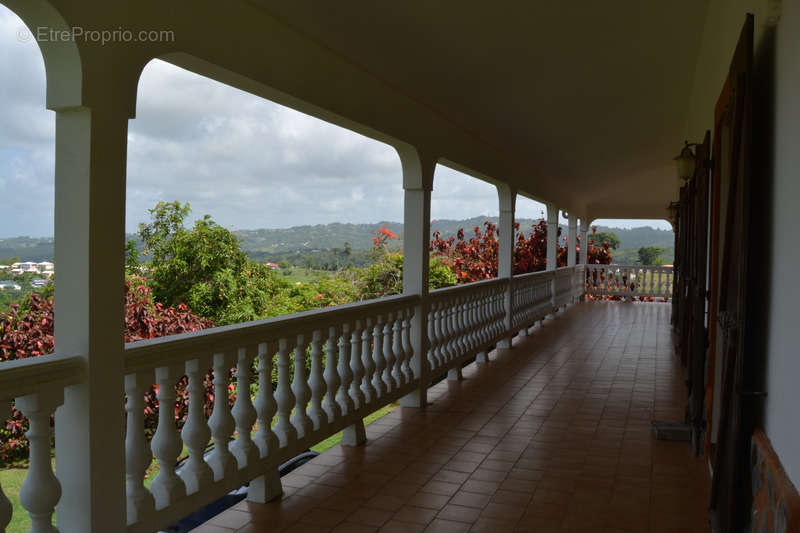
(266,242)
(27,248)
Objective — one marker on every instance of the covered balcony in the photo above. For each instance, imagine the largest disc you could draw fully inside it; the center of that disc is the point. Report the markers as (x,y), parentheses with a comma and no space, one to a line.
(522,405)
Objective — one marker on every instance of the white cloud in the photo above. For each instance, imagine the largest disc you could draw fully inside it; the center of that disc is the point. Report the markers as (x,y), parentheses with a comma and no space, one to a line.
(244,160)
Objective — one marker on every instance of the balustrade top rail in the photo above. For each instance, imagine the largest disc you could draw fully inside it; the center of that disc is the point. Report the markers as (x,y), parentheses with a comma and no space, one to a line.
(147,354)
(29,375)
(543,275)
(447,292)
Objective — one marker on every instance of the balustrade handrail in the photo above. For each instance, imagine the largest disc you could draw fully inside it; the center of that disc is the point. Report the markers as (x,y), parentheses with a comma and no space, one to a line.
(640,267)
(446,292)
(545,275)
(30,375)
(147,354)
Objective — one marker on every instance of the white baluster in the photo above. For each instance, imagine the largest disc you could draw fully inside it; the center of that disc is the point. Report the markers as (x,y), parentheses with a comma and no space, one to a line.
(449,329)
(357,367)
(265,405)
(284,429)
(316,382)
(196,433)
(377,356)
(41,490)
(431,356)
(221,422)
(167,487)
(243,448)
(437,335)
(301,390)
(137,450)
(397,349)
(369,365)
(408,351)
(268,486)
(345,372)
(388,353)
(332,375)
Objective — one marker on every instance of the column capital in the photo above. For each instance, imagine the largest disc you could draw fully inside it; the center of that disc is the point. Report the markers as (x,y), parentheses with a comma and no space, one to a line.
(507,196)
(552,214)
(418,168)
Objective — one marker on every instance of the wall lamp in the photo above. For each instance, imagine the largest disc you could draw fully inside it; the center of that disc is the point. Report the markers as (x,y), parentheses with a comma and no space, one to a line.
(685,161)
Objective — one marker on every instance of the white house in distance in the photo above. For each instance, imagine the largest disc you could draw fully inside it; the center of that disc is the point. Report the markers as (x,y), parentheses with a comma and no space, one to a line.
(45,268)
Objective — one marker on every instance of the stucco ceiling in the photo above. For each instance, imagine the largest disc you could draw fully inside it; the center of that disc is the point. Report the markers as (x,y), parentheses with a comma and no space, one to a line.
(591,94)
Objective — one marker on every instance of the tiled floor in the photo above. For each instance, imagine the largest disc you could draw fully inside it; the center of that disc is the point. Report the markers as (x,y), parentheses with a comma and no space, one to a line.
(553,435)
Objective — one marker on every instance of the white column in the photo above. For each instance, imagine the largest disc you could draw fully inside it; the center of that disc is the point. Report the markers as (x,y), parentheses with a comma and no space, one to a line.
(89,313)
(505,255)
(418,183)
(584,240)
(552,247)
(572,234)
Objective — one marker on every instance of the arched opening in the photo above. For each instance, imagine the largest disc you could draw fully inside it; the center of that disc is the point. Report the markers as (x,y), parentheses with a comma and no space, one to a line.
(464,219)
(306,207)
(637,241)
(27,197)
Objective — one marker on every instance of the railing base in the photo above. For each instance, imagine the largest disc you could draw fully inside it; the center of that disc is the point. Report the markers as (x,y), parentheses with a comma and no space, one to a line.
(265,488)
(354,435)
(416,398)
(455,374)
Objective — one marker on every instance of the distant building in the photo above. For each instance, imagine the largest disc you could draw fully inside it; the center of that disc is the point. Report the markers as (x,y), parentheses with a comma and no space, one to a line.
(9,285)
(273,266)
(38,283)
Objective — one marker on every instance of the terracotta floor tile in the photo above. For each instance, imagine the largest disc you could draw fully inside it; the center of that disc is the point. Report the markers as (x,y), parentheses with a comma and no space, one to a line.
(395,526)
(447,526)
(415,515)
(370,517)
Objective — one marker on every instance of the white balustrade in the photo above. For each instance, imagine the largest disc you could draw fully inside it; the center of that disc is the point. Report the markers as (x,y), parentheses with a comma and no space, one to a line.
(531,298)
(633,282)
(464,321)
(359,362)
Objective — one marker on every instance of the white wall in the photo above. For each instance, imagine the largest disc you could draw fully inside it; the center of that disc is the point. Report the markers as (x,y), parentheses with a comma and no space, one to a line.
(782,422)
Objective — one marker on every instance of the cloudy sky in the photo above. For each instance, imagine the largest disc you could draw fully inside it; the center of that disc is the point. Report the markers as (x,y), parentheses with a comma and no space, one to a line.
(244,160)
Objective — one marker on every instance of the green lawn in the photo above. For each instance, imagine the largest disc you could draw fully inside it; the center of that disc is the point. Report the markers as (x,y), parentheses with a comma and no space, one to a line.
(12,477)
(304,275)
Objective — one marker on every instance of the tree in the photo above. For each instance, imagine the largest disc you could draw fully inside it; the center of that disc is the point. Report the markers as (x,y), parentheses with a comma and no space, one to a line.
(205,268)
(609,237)
(650,255)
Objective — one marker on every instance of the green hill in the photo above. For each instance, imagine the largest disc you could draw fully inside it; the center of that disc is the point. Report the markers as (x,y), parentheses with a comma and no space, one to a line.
(279,244)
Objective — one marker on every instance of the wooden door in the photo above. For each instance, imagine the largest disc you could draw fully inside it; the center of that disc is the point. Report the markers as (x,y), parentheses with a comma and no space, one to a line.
(697,292)
(731,484)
